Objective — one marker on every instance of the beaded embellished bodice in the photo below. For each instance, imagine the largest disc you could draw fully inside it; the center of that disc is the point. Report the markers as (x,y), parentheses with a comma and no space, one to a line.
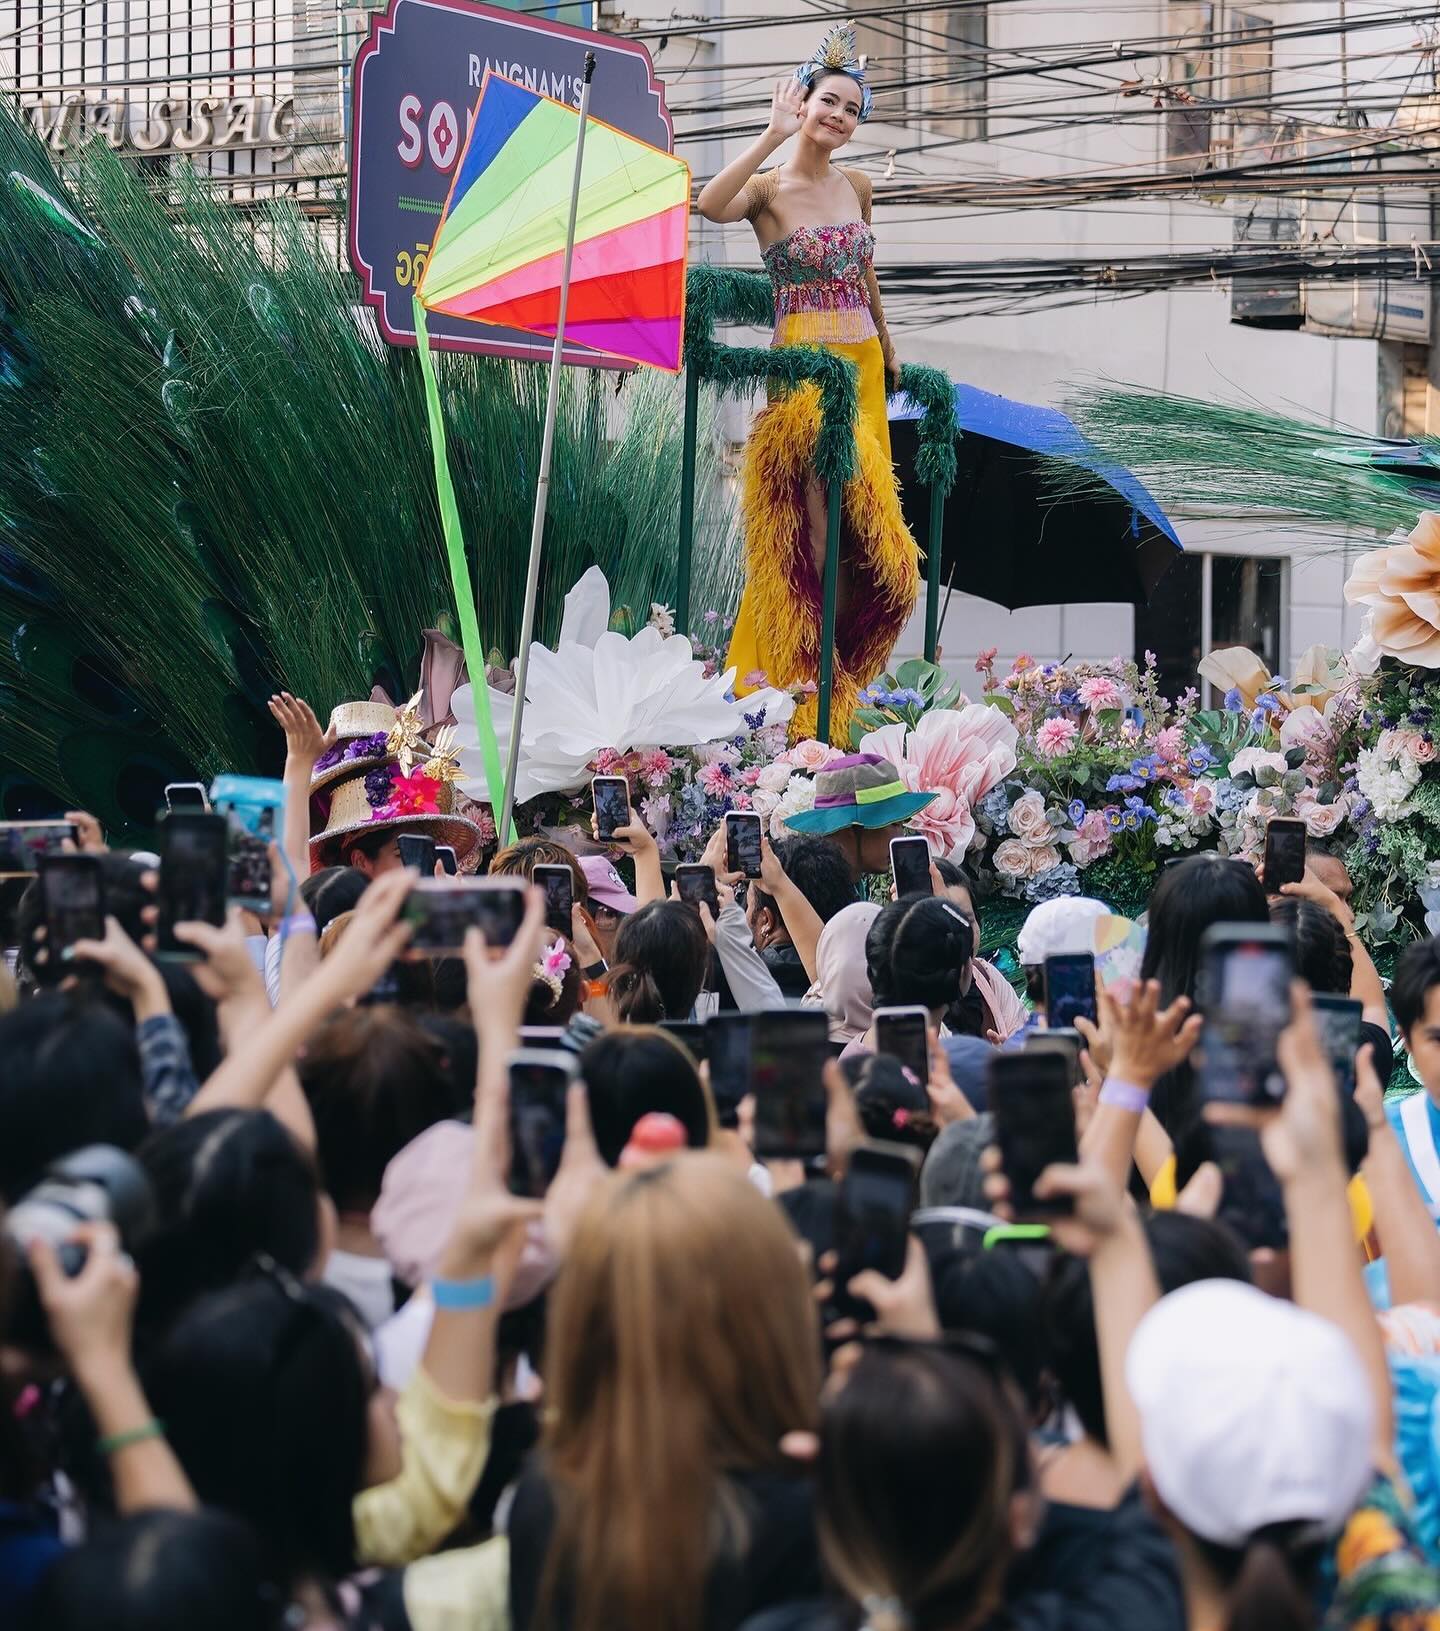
(819,276)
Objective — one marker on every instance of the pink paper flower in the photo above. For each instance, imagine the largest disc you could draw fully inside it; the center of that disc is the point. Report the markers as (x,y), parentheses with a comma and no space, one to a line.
(1091,841)
(715,779)
(609,762)
(1170,743)
(958,754)
(742,800)
(1056,737)
(1098,692)
(811,755)
(656,767)
(986,658)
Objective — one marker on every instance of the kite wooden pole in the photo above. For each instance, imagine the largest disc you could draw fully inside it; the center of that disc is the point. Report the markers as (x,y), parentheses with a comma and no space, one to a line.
(542,485)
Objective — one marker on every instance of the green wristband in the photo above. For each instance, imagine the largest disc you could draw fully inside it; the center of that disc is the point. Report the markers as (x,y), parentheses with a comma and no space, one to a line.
(136,1435)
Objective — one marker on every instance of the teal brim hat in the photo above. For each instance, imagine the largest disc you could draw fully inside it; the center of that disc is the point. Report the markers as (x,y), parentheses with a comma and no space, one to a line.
(860,790)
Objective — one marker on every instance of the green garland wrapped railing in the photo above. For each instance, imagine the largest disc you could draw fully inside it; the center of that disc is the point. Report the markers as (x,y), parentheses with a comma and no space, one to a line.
(716,295)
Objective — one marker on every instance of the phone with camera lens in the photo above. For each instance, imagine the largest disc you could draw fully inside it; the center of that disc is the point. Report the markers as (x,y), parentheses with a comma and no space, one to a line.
(22,843)
(443,910)
(788,1052)
(742,842)
(695,883)
(727,1051)
(558,884)
(1284,853)
(910,867)
(186,796)
(539,1081)
(449,862)
(194,878)
(1034,1125)
(1338,1020)
(417,850)
(1070,989)
(72,902)
(1243,990)
(612,804)
(902,1033)
(872,1218)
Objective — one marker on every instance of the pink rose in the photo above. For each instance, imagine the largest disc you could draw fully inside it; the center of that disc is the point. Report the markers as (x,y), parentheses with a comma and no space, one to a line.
(1042,858)
(1012,859)
(1414,746)
(1323,819)
(775,778)
(811,755)
(1099,692)
(1027,819)
(1056,737)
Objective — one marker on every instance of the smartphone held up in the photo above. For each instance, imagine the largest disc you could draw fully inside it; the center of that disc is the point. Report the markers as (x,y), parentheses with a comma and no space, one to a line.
(910,867)
(72,902)
(743,837)
(1284,853)
(612,805)
(444,910)
(1244,993)
(194,882)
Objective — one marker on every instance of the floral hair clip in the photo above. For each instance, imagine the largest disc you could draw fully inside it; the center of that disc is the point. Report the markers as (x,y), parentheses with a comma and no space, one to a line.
(552,968)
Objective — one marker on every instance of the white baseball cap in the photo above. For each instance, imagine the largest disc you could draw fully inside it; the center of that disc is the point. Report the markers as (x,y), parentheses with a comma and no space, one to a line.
(1252,1412)
(1064,927)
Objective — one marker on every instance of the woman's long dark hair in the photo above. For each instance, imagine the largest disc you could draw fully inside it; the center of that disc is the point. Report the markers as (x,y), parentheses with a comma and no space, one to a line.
(1190,897)
(1270,1580)
(917,951)
(661,955)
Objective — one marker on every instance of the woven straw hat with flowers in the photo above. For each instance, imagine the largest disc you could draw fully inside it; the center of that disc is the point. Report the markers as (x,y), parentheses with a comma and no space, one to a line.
(395,780)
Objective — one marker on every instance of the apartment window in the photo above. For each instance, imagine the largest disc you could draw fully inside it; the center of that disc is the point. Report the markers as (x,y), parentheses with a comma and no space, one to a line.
(1251,62)
(1192,81)
(952,45)
(884,44)
(1207,601)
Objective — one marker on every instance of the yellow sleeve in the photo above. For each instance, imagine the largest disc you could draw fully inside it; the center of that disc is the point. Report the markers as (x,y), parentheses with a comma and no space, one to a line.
(464,1590)
(444,1449)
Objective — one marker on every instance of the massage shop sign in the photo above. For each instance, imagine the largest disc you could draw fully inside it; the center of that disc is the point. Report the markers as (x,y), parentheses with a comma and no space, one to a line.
(416,81)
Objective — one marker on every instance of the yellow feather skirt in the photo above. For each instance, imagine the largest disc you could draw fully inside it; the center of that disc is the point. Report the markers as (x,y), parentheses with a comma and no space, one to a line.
(777,631)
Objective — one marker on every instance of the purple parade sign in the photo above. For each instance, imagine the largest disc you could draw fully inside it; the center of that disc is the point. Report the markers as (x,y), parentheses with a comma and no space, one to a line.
(416,81)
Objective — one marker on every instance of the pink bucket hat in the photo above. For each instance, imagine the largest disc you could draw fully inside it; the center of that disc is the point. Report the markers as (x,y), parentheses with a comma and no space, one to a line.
(606,884)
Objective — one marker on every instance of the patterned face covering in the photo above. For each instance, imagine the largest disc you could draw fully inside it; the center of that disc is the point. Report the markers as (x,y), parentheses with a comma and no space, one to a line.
(837,54)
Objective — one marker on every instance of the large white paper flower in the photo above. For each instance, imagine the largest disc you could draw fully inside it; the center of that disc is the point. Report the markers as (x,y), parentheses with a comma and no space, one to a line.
(597,690)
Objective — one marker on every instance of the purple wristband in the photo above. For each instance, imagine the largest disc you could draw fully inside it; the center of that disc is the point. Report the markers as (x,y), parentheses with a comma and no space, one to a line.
(1124,1095)
(296,923)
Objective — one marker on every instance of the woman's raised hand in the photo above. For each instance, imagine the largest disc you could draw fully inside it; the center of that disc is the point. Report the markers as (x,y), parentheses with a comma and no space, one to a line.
(787,109)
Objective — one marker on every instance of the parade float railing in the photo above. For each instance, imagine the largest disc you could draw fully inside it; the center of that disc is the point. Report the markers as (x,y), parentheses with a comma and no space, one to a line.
(717,295)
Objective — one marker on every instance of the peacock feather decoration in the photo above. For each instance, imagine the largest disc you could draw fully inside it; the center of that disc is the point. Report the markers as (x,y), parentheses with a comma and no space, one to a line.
(217,482)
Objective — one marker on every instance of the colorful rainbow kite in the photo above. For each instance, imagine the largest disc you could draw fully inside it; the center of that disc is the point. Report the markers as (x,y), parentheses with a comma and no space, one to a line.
(499,249)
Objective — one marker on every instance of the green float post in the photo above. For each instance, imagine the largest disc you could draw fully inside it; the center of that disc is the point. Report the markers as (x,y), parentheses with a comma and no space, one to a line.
(687,500)
(831,593)
(932,575)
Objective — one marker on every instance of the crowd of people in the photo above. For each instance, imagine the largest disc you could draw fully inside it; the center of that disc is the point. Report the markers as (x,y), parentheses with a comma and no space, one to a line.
(283,1343)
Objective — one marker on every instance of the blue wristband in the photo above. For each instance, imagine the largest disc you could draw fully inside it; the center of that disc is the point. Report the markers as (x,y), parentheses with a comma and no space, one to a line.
(463,1296)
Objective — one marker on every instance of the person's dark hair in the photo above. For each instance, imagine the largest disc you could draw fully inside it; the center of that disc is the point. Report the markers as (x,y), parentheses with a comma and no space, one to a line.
(661,957)
(996,1295)
(263,1393)
(1271,1581)
(69,1076)
(545,1006)
(375,1080)
(458,1053)
(628,1073)
(1417,970)
(229,1184)
(955,876)
(368,844)
(1184,1249)
(1192,895)
(519,860)
(918,951)
(161,1571)
(1322,953)
(892,1104)
(818,870)
(921,1453)
(338,890)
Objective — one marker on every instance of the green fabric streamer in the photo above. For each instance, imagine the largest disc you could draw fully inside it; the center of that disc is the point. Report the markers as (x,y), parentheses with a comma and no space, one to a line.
(460,577)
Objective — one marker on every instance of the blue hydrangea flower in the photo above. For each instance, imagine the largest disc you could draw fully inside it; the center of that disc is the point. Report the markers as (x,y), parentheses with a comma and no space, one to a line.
(1228,796)
(995,806)
(1059,880)
(1234,702)
(1076,811)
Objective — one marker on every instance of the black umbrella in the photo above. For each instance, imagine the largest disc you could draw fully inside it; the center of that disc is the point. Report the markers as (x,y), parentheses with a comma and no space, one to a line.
(1009,535)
